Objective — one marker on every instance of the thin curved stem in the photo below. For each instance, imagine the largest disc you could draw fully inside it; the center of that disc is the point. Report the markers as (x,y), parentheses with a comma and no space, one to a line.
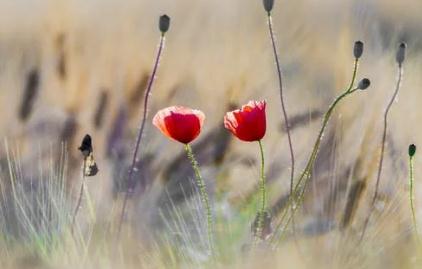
(384,137)
(283,107)
(301,184)
(412,195)
(81,193)
(130,181)
(204,195)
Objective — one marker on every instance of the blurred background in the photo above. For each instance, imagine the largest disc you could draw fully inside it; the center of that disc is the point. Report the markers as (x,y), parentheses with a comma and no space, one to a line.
(68,68)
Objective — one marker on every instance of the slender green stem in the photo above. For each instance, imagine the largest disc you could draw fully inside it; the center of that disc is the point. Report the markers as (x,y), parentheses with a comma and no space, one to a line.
(261,212)
(204,195)
(381,160)
(412,195)
(300,186)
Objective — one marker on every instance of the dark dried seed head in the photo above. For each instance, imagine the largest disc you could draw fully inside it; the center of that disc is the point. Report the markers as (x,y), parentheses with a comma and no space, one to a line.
(358,49)
(412,150)
(164,23)
(364,84)
(401,53)
(86,146)
(268,5)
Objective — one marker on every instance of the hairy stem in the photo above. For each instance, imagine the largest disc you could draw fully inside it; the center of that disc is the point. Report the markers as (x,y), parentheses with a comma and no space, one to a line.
(261,212)
(300,186)
(130,181)
(204,195)
(412,195)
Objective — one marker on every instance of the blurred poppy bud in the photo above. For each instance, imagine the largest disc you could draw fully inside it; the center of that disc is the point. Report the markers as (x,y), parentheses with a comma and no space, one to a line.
(364,84)
(412,150)
(401,53)
(164,23)
(358,49)
(268,5)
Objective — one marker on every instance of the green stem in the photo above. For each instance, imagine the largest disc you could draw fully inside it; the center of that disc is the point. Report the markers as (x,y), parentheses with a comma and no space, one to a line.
(300,186)
(261,213)
(203,193)
(412,195)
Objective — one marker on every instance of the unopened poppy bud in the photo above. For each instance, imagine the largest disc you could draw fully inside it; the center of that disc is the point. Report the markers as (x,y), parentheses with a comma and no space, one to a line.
(358,49)
(164,23)
(268,5)
(412,150)
(401,53)
(364,84)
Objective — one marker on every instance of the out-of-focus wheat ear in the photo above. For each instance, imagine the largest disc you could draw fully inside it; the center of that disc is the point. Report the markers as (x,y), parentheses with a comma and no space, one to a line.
(137,93)
(412,152)
(353,199)
(30,93)
(101,108)
(61,67)
(115,135)
(69,130)
(400,56)
(163,25)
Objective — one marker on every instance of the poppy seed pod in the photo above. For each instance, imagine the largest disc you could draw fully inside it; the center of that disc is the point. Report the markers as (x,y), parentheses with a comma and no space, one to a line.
(364,84)
(412,150)
(268,5)
(164,23)
(358,49)
(401,53)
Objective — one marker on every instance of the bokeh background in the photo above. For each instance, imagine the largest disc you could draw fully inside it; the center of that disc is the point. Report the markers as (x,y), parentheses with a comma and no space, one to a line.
(86,64)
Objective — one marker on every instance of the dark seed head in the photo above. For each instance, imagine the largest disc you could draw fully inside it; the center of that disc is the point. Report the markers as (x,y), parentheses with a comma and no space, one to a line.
(86,146)
(401,53)
(358,49)
(364,84)
(164,24)
(412,150)
(268,5)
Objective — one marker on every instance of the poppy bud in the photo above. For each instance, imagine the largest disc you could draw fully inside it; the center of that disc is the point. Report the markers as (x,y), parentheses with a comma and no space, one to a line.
(358,49)
(164,24)
(364,84)
(268,5)
(401,53)
(412,150)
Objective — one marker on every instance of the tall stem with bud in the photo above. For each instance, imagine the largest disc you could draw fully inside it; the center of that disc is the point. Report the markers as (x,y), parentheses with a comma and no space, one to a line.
(300,187)
(164,24)
(268,6)
(400,56)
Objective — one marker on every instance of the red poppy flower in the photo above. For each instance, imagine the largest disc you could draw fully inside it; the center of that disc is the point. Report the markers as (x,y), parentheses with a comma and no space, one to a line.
(248,123)
(179,123)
